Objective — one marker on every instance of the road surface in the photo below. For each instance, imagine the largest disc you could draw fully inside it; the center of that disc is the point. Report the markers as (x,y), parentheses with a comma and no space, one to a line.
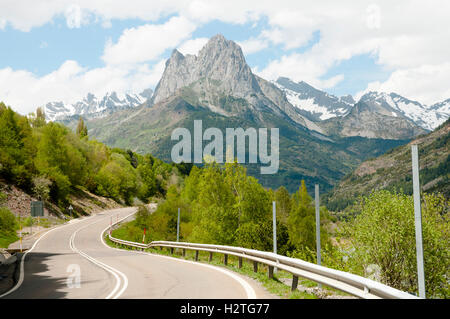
(72,261)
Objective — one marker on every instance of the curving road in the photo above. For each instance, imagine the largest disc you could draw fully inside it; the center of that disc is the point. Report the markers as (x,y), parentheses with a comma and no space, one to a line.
(72,261)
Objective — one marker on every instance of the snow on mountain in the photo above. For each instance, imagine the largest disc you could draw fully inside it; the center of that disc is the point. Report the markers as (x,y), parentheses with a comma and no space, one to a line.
(93,107)
(317,104)
(442,107)
(427,117)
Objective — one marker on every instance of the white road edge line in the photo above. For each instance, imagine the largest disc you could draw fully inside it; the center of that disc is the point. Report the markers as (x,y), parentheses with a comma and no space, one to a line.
(116,273)
(22,260)
(251,294)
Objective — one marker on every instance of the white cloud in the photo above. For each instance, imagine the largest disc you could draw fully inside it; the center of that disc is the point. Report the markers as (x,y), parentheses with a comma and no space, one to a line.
(427,84)
(75,17)
(148,42)
(373,20)
(192,46)
(405,36)
(301,67)
(24,91)
(253,45)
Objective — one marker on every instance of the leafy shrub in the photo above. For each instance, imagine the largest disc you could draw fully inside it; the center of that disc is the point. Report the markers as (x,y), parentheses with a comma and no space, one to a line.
(384,235)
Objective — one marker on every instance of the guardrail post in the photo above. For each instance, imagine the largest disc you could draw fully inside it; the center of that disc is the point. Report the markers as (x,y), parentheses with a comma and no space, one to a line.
(210,256)
(270,272)
(255,266)
(294,282)
(184,252)
(225,259)
(240,262)
(171,250)
(196,255)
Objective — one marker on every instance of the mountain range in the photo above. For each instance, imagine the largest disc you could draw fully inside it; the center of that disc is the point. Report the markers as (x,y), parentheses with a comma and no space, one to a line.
(321,140)
(91,106)
(393,171)
(312,104)
(321,106)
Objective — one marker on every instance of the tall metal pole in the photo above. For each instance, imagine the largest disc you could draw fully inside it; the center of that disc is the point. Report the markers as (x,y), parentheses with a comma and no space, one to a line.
(178,225)
(418,220)
(317,224)
(274,208)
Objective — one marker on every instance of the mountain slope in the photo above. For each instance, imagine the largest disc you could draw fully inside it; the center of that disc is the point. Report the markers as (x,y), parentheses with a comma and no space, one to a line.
(393,170)
(220,71)
(218,87)
(320,106)
(373,121)
(317,104)
(398,106)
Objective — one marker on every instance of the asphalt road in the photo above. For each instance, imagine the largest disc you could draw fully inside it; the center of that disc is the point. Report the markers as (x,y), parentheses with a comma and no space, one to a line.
(72,261)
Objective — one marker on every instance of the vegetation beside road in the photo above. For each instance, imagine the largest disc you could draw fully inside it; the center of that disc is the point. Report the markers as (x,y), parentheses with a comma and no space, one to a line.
(222,205)
(51,162)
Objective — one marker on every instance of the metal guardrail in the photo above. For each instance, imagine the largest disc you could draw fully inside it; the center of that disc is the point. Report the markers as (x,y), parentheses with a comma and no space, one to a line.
(355,285)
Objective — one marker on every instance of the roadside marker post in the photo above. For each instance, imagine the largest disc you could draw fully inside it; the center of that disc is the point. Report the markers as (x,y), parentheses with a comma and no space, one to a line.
(178,225)
(20,225)
(274,209)
(418,221)
(143,238)
(319,261)
(317,202)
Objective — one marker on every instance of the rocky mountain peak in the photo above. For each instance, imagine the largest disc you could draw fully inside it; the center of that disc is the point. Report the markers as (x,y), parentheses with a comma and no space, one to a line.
(220,63)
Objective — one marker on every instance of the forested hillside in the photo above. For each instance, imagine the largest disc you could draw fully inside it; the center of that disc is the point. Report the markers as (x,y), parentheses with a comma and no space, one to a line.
(50,161)
(393,171)
(221,204)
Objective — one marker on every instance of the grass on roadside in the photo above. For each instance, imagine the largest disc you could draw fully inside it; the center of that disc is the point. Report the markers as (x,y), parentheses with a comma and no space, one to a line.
(7,238)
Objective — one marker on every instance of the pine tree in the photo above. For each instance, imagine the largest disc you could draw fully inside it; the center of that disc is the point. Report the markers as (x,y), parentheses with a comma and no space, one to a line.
(284,204)
(301,219)
(38,119)
(81,128)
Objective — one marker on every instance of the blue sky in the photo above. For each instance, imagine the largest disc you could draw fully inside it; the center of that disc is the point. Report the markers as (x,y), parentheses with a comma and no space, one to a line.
(62,53)
(43,49)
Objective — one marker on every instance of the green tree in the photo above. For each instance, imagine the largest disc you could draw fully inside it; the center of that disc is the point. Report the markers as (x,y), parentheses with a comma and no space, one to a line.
(283,204)
(117,179)
(17,148)
(384,235)
(147,174)
(82,130)
(215,217)
(59,160)
(38,119)
(301,219)
(8,227)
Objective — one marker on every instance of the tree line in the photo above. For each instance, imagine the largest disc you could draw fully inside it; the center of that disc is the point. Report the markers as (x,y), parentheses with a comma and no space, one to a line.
(221,204)
(50,161)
